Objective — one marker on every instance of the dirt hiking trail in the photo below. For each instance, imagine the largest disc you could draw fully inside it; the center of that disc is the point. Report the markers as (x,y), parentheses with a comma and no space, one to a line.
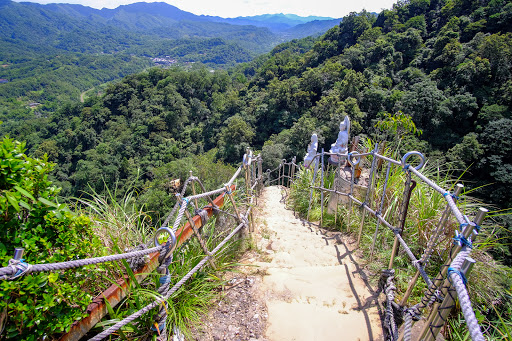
(303,284)
(313,287)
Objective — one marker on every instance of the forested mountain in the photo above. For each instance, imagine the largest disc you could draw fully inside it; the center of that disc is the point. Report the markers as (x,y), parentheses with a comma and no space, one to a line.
(446,63)
(161,20)
(167,20)
(54,53)
(133,28)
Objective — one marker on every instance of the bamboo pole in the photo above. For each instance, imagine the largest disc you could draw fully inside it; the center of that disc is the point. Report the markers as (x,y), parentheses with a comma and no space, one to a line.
(198,236)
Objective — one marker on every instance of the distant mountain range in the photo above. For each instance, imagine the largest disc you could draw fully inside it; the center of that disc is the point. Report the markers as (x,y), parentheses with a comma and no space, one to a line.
(281,22)
(54,52)
(137,28)
(142,16)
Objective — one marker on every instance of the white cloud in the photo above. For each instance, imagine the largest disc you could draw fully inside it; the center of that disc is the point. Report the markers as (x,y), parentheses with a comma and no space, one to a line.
(233,8)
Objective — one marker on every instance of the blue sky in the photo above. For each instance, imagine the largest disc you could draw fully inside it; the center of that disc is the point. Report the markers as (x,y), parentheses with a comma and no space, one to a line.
(234,8)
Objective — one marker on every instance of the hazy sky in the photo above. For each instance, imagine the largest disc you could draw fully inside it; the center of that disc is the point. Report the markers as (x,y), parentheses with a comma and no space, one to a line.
(234,8)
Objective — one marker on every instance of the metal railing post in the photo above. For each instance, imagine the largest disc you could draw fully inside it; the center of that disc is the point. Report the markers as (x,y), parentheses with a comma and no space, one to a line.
(448,303)
(248,186)
(260,174)
(294,160)
(441,278)
(380,210)
(370,182)
(315,170)
(350,199)
(321,190)
(281,166)
(336,174)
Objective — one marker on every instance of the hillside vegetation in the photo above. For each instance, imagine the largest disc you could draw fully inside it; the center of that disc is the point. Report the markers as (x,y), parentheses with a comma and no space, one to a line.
(50,54)
(447,64)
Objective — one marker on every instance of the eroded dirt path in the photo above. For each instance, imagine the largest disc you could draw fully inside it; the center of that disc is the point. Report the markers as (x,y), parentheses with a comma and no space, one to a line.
(304,285)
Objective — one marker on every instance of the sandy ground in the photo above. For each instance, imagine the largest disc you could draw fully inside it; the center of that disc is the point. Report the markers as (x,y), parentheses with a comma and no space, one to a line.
(314,288)
(303,283)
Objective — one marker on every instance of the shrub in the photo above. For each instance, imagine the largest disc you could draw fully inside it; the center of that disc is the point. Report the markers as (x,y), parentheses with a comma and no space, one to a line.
(40,305)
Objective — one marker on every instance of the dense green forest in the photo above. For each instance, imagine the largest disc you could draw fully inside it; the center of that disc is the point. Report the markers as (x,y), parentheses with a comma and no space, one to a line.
(48,81)
(447,64)
(50,54)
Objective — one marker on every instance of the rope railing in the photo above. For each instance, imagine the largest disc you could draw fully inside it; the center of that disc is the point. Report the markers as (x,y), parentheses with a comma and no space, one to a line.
(449,281)
(18,267)
(437,290)
(171,291)
(254,183)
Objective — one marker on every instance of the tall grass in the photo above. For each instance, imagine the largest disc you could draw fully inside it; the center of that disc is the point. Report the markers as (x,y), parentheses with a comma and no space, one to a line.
(118,221)
(122,224)
(489,279)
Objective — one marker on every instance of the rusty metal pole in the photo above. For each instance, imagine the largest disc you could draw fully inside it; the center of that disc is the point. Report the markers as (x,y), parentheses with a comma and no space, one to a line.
(403,215)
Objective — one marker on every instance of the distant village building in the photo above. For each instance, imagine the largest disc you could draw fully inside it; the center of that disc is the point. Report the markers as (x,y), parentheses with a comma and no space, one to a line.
(2,80)
(167,61)
(33,105)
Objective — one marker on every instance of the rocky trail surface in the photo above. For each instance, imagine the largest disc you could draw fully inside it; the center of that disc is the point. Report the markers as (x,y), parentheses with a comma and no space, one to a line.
(304,283)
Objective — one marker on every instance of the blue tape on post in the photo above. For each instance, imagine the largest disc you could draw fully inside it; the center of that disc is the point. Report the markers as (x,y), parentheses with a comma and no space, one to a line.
(458,272)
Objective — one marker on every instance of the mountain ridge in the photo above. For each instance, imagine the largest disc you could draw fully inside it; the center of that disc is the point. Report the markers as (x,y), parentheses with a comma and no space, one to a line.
(147,12)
